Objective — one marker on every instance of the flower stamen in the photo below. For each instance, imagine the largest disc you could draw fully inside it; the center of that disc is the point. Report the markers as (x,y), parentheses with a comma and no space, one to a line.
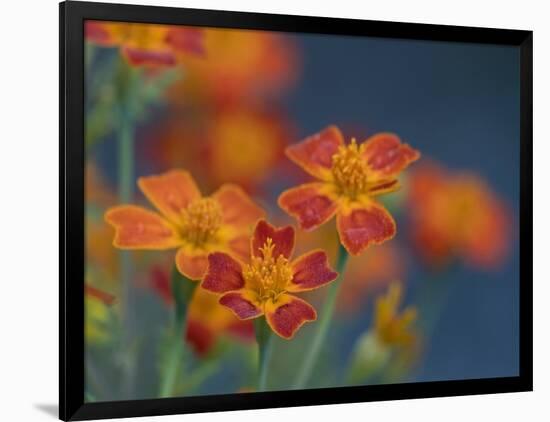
(201,220)
(349,169)
(268,275)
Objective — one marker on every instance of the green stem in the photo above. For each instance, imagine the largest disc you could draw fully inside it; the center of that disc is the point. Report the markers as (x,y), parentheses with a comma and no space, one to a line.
(264,337)
(125,194)
(182,291)
(324,323)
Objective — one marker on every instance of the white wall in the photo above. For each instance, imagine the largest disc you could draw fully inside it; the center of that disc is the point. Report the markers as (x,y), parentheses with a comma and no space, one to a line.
(29,211)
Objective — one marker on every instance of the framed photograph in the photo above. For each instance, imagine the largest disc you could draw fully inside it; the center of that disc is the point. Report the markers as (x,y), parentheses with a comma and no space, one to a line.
(265,210)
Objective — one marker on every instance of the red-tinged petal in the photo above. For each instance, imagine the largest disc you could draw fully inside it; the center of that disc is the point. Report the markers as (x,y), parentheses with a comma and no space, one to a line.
(287,314)
(244,303)
(170,192)
(224,273)
(314,154)
(102,296)
(192,264)
(186,40)
(387,156)
(138,228)
(283,239)
(311,204)
(141,57)
(311,271)
(361,226)
(237,207)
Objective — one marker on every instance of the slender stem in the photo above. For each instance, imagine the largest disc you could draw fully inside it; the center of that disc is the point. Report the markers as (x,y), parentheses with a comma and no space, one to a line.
(182,291)
(324,323)
(264,337)
(125,190)
(125,194)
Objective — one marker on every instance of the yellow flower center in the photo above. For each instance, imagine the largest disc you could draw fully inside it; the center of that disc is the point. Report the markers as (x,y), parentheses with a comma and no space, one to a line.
(349,169)
(268,275)
(201,220)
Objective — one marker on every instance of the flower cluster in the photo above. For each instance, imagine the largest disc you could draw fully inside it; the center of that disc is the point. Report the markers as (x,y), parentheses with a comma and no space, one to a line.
(256,276)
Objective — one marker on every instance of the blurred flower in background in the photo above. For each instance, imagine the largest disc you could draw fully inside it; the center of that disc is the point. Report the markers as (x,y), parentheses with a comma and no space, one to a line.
(370,275)
(207,319)
(457,215)
(145,44)
(242,67)
(97,306)
(235,144)
(391,345)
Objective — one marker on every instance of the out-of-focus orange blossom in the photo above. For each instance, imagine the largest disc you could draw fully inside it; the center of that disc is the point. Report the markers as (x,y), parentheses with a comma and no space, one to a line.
(232,145)
(456,214)
(147,44)
(207,320)
(242,66)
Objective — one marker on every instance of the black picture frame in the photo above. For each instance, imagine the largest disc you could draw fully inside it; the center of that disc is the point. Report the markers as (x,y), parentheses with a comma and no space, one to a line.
(71,287)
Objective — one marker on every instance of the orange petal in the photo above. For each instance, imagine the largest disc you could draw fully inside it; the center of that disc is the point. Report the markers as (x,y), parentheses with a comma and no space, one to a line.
(311,204)
(138,228)
(223,274)
(239,247)
(192,264)
(314,154)
(143,57)
(287,314)
(387,156)
(359,226)
(244,303)
(311,271)
(170,192)
(237,207)
(283,239)
(383,186)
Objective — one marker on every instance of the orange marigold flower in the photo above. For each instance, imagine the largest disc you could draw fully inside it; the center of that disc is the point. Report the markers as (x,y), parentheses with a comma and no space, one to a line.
(264,285)
(457,215)
(147,44)
(194,224)
(350,178)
